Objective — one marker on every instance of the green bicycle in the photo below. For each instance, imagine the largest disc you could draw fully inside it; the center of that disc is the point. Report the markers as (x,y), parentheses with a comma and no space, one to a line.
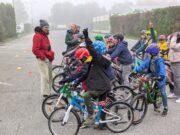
(149,94)
(58,100)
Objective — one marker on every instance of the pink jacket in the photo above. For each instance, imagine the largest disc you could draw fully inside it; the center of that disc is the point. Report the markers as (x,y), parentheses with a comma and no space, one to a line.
(174,52)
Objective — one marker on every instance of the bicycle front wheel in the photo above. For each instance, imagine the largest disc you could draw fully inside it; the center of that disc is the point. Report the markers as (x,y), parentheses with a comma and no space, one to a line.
(48,105)
(119,117)
(56,126)
(140,106)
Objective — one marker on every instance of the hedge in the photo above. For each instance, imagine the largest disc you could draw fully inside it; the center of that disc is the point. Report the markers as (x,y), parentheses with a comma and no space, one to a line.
(7,21)
(166,21)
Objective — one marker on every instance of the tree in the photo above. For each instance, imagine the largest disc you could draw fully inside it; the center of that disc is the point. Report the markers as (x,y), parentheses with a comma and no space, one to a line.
(21,14)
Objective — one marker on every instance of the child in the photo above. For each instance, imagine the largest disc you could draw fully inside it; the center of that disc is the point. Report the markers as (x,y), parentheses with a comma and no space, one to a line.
(156,68)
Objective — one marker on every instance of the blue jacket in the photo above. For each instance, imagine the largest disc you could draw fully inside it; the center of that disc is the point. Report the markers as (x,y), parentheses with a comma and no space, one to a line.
(122,52)
(160,69)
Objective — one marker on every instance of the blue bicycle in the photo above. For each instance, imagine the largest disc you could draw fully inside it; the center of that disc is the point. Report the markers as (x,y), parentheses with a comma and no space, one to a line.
(67,121)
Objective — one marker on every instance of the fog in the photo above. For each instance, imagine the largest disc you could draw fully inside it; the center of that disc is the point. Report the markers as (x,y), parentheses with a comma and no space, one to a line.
(66,11)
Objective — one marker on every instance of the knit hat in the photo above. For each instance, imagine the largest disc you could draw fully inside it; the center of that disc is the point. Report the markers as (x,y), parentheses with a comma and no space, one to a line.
(43,23)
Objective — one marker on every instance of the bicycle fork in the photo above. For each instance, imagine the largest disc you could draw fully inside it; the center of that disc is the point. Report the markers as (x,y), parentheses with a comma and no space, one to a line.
(59,99)
(66,117)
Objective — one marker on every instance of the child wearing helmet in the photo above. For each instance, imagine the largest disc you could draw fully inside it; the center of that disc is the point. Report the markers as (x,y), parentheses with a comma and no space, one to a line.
(110,42)
(123,55)
(163,47)
(151,39)
(98,81)
(140,42)
(156,68)
(84,57)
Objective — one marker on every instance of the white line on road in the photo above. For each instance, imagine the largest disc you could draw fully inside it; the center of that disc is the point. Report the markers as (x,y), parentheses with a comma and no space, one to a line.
(7,84)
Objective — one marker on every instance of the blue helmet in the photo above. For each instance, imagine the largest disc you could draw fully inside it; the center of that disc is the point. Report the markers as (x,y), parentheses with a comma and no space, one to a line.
(153,50)
(100,47)
(107,36)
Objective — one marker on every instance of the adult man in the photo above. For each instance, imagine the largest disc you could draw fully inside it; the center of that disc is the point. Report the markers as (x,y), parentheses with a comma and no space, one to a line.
(42,50)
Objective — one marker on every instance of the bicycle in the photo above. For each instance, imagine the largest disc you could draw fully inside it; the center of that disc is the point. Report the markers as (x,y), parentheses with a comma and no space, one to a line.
(58,100)
(150,94)
(63,117)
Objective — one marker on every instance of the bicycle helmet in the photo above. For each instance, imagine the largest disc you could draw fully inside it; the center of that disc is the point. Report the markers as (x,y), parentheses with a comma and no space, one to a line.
(110,39)
(153,50)
(100,47)
(148,32)
(82,53)
(119,36)
(98,38)
(107,36)
(162,37)
(143,32)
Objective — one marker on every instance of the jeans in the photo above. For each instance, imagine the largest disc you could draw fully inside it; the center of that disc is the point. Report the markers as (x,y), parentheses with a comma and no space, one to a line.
(163,92)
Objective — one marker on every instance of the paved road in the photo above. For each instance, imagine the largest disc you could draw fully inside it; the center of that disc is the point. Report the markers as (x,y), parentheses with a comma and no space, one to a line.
(20,100)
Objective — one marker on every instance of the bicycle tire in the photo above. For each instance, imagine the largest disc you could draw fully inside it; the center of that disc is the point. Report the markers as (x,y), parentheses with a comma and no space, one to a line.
(74,113)
(130,116)
(55,83)
(51,108)
(144,108)
(120,97)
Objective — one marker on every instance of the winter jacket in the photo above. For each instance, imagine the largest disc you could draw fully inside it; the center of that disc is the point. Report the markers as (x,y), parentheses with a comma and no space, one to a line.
(138,44)
(163,50)
(159,69)
(121,51)
(97,78)
(174,52)
(70,40)
(41,47)
(148,42)
(80,75)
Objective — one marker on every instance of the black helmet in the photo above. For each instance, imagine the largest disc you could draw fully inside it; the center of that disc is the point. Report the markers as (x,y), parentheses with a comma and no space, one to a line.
(119,36)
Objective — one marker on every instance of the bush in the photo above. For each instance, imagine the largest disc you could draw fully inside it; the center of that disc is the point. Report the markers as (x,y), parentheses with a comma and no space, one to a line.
(166,21)
(7,21)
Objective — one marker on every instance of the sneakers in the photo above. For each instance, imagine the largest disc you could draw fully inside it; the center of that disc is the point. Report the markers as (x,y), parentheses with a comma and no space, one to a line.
(171,95)
(164,113)
(178,100)
(157,110)
(88,122)
(100,127)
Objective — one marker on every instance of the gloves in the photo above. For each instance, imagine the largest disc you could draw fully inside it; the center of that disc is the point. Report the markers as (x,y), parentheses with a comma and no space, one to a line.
(85,32)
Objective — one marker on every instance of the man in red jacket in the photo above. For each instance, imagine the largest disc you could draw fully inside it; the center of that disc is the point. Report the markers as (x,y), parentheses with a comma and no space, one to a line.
(42,50)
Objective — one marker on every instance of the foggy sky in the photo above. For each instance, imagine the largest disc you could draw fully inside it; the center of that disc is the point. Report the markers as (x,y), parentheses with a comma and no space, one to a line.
(42,8)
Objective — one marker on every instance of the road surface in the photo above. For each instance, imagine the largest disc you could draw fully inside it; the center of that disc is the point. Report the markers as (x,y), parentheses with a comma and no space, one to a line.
(20,100)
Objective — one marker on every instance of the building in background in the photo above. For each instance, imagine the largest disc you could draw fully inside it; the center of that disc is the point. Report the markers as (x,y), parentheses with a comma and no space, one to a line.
(101,24)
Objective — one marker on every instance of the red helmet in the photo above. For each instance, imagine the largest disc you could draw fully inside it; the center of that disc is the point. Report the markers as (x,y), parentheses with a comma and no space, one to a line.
(162,37)
(81,53)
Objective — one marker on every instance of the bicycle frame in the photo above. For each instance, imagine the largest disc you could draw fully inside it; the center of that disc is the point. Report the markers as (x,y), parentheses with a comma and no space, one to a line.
(65,91)
(75,102)
(150,92)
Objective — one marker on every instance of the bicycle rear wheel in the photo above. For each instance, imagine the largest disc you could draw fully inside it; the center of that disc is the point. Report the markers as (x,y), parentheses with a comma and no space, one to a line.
(57,70)
(140,106)
(49,103)
(119,117)
(123,93)
(55,83)
(56,126)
